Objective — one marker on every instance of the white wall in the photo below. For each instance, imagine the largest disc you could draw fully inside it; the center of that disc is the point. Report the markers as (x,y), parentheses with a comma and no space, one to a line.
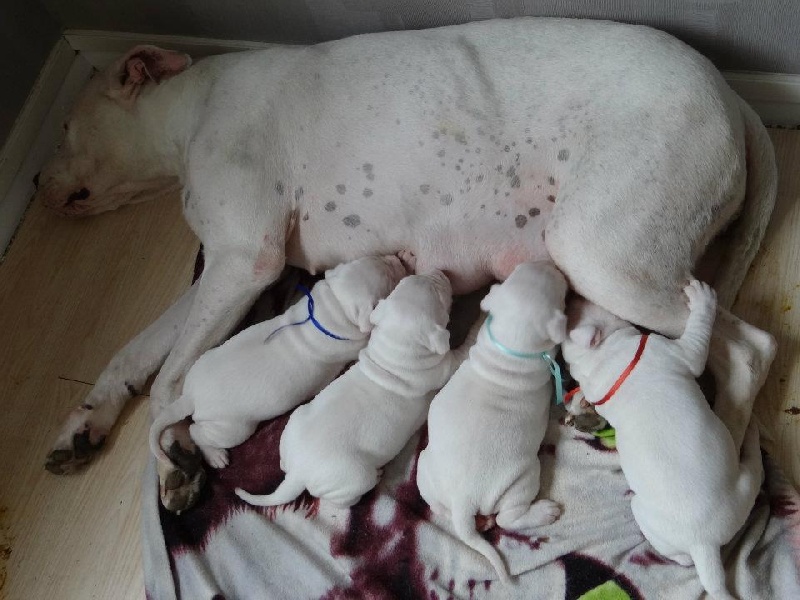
(760,35)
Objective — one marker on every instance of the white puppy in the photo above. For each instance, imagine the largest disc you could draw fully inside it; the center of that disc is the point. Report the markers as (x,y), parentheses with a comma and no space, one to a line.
(692,493)
(485,427)
(272,367)
(335,445)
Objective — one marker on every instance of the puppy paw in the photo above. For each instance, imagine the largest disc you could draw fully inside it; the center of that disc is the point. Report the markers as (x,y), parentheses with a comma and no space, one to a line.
(409,260)
(700,295)
(215,457)
(544,512)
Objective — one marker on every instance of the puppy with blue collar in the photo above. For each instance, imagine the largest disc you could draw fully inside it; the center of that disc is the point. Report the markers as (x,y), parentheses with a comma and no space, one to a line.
(486,425)
(273,366)
(336,445)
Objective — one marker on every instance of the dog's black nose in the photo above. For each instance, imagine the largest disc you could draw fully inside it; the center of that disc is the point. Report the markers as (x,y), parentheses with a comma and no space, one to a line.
(81,194)
(36,180)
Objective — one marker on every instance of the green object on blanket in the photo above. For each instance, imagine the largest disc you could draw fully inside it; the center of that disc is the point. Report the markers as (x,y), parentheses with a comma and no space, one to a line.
(608,591)
(607,437)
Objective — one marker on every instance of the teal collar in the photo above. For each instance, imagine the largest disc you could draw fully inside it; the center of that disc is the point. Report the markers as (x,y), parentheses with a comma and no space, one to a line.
(555,370)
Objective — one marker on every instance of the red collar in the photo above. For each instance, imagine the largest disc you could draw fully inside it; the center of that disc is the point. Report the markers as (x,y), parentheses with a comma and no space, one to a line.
(621,379)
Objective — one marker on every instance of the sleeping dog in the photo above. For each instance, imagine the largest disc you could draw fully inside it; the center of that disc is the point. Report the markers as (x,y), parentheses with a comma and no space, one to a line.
(485,426)
(335,445)
(692,492)
(272,367)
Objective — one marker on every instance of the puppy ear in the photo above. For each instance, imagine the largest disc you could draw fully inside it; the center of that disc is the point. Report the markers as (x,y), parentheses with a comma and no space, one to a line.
(488,302)
(378,313)
(586,336)
(140,66)
(364,316)
(557,327)
(438,340)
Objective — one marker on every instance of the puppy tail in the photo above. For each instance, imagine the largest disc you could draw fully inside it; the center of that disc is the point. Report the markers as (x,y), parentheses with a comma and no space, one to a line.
(464,524)
(708,562)
(169,415)
(287,491)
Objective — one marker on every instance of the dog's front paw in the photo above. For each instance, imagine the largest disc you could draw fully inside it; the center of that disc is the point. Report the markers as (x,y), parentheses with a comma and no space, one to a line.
(181,482)
(81,437)
(700,295)
(409,260)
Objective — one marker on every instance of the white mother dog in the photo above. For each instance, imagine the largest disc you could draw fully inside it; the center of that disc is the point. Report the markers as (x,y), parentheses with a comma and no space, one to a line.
(273,366)
(485,427)
(616,150)
(692,492)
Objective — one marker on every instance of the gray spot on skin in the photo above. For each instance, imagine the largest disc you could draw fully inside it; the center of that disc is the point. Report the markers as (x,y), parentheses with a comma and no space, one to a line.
(512,171)
(534,212)
(341,188)
(330,206)
(440,153)
(507,148)
(520,221)
(397,121)
(460,138)
(436,135)
(446,199)
(279,187)
(367,192)
(483,206)
(551,198)
(305,217)
(528,140)
(371,176)
(298,193)
(461,160)
(367,167)
(551,180)
(563,154)
(515,181)
(352,220)
(497,213)
(425,188)
(458,167)
(479,177)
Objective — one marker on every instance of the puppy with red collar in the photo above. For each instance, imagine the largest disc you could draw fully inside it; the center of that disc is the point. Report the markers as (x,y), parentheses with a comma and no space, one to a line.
(692,491)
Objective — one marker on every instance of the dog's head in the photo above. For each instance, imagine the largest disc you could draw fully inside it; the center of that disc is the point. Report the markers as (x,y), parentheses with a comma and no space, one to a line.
(360,284)
(107,157)
(588,325)
(528,308)
(417,311)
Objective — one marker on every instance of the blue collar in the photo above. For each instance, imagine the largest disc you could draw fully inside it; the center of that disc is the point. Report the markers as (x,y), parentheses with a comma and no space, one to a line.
(555,370)
(310,317)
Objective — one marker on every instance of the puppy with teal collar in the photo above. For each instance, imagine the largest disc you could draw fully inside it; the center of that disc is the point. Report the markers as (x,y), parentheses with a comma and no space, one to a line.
(693,491)
(273,366)
(486,425)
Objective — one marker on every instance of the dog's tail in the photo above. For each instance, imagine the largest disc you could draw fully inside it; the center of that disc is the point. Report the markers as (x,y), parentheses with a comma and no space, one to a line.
(287,491)
(747,231)
(169,415)
(708,562)
(464,524)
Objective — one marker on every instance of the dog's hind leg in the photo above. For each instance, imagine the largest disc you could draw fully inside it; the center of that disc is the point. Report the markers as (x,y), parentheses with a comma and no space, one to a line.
(525,518)
(87,426)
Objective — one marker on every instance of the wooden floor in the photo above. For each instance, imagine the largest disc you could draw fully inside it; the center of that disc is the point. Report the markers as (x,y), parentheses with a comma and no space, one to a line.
(73,292)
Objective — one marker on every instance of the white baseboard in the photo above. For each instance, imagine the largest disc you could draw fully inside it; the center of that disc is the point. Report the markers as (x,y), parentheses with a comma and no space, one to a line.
(37,132)
(26,127)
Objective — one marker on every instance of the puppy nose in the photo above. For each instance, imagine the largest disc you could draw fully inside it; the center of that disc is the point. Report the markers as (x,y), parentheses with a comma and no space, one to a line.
(81,194)
(36,180)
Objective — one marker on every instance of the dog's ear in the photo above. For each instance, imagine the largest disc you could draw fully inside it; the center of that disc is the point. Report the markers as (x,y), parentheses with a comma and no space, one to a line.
(364,312)
(438,340)
(488,300)
(586,336)
(378,313)
(557,327)
(141,65)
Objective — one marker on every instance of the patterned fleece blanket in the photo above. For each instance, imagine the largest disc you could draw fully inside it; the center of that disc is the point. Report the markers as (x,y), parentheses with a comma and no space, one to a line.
(389,546)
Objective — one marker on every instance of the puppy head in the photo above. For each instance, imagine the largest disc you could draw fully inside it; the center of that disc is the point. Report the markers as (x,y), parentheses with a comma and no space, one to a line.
(588,325)
(360,284)
(417,312)
(528,308)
